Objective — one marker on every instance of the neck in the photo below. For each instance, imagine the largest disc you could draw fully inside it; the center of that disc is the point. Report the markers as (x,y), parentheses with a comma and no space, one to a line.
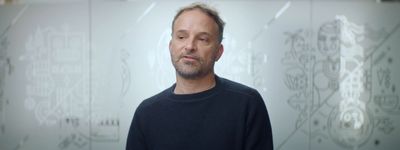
(190,86)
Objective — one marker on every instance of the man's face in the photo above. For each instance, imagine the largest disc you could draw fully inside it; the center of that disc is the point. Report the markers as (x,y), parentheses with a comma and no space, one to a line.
(194,46)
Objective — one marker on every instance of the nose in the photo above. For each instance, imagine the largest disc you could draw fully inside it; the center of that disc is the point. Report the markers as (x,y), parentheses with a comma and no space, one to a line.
(190,44)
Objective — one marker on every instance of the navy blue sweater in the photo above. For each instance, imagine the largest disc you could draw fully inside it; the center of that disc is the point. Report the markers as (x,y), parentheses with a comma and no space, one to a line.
(230,116)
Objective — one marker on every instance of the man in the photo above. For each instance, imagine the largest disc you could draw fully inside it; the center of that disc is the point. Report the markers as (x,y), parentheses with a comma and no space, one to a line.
(201,111)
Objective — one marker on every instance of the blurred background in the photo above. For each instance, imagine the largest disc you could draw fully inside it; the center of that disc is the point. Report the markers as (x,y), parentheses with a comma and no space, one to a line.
(72,72)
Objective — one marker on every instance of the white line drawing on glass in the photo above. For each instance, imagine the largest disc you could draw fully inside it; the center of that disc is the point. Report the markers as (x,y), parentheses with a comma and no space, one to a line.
(258,58)
(75,133)
(78,140)
(105,127)
(349,123)
(386,99)
(57,74)
(159,61)
(326,68)
(125,73)
(385,125)
(238,60)
(22,142)
(6,67)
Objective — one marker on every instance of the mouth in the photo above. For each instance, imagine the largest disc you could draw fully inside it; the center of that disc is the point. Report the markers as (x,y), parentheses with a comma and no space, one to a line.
(189,58)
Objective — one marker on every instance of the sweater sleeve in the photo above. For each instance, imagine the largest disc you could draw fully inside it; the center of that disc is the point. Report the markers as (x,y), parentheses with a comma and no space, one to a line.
(135,140)
(258,127)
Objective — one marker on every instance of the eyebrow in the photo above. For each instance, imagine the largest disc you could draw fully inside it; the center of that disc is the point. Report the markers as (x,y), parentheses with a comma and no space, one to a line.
(201,33)
(204,33)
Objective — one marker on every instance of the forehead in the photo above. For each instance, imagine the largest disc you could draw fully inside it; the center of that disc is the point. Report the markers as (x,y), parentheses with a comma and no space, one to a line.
(195,20)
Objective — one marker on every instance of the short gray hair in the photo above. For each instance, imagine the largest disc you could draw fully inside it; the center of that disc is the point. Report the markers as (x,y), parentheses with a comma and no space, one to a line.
(211,12)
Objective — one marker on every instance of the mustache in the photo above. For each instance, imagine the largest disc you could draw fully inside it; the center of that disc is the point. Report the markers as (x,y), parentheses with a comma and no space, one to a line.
(189,56)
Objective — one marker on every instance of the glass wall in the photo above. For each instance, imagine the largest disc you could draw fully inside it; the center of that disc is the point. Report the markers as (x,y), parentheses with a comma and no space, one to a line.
(73,72)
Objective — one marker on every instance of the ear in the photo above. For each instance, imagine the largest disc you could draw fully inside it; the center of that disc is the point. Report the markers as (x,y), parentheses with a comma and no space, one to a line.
(220,51)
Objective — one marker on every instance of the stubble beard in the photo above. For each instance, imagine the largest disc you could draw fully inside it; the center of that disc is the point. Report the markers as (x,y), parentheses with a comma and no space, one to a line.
(192,70)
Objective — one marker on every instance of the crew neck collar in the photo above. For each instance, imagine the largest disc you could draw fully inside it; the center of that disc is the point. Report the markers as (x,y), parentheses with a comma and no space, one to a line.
(195,96)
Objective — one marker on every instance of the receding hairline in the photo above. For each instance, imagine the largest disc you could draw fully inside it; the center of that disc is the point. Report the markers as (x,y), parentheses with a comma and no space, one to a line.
(188,11)
(208,11)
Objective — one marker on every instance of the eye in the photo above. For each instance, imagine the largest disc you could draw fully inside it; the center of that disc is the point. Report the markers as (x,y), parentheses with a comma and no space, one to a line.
(203,39)
(180,36)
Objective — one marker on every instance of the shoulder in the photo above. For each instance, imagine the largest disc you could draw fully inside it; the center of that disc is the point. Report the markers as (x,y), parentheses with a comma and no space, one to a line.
(236,88)
(153,100)
(245,95)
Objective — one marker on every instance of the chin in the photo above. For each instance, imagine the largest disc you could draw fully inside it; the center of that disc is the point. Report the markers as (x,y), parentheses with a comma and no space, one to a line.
(188,74)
